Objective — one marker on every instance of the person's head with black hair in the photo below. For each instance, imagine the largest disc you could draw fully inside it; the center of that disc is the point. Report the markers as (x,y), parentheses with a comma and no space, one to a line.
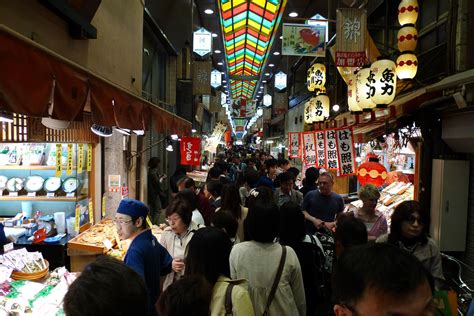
(287,182)
(380,279)
(271,166)
(154,162)
(214,173)
(223,166)
(251,178)
(262,156)
(191,296)
(350,232)
(130,218)
(295,171)
(409,221)
(262,222)
(180,170)
(107,287)
(178,216)
(259,193)
(250,162)
(292,227)
(208,254)
(311,176)
(189,197)
(283,164)
(226,221)
(230,200)
(213,189)
(186,183)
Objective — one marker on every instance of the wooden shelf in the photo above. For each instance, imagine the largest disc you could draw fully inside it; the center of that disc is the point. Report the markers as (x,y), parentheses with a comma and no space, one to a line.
(42,198)
(32,167)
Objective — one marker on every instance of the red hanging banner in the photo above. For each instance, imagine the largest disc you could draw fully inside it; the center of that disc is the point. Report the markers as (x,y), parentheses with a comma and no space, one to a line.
(190,151)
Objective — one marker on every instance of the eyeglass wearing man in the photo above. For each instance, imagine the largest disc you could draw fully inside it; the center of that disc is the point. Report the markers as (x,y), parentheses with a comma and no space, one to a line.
(145,254)
(381,279)
(322,205)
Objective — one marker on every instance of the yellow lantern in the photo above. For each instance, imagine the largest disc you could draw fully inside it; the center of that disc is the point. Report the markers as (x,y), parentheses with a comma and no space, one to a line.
(407,38)
(384,83)
(364,91)
(308,112)
(408,12)
(351,95)
(407,66)
(316,77)
(321,108)
(324,99)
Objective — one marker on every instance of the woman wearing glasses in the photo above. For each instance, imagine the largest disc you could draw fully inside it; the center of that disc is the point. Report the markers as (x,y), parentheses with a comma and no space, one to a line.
(145,255)
(176,236)
(409,231)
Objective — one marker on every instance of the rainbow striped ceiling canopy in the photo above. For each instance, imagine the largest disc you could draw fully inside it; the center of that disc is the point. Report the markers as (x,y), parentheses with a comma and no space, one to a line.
(249,28)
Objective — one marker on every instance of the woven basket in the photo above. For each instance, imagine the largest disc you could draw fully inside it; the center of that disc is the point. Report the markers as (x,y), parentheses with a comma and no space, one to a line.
(31,276)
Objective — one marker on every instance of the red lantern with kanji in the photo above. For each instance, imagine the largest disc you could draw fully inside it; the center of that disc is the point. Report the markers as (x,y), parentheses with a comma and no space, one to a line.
(372,171)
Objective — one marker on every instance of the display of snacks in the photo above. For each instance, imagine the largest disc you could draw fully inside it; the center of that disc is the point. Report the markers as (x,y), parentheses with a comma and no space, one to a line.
(14,184)
(96,238)
(25,265)
(34,183)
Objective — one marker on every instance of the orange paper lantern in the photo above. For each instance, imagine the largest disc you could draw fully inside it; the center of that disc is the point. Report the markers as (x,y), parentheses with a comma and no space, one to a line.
(372,172)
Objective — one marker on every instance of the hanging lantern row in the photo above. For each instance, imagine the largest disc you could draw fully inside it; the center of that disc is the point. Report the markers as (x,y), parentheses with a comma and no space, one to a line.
(407,63)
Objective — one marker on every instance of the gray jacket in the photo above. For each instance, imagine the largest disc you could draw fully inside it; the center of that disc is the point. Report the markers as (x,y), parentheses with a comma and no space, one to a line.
(295,196)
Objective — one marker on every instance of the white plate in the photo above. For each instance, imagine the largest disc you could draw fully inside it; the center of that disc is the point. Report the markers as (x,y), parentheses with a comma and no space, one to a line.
(14,184)
(34,183)
(3,182)
(52,184)
(70,184)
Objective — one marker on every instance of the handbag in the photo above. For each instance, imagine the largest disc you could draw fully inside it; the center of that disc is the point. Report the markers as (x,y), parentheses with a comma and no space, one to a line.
(228,300)
(276,281)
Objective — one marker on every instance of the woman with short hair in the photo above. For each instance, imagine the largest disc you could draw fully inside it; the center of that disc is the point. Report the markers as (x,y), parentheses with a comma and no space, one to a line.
(230,198)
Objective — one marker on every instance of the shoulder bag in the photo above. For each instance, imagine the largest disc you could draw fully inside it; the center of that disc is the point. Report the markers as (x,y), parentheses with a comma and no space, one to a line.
(276,281)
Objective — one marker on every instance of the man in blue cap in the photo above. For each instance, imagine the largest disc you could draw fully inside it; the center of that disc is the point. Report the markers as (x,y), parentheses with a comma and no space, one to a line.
(145,254)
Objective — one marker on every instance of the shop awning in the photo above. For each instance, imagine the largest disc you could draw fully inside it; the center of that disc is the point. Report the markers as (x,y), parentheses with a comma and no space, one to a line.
(32,76)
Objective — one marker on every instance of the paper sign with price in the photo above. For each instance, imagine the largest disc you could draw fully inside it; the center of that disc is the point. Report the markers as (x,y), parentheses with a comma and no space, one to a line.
(77,222)
(69,160)
(80,158)
(89,157)
(91,212)
(59,166)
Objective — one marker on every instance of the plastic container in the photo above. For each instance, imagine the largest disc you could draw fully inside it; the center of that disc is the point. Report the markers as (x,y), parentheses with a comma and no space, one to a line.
(70,225)
(60,221)
(27,209)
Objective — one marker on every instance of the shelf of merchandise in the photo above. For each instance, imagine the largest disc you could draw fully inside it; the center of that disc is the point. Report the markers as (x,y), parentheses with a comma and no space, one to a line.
(31,167)
(42,198)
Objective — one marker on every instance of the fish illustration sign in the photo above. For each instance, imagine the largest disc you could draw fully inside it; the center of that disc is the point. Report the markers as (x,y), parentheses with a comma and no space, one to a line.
(304,40)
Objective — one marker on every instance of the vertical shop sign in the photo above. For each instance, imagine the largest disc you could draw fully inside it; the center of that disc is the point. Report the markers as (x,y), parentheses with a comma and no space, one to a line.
(309,149)
(190,151)
(69,160)
(77,219)
(331,149)
(294,145)
(350,40)
(202,77)
(91,212)
(103,205)
(320,149)
(80,158)
(346,154)
(89,157)
(59,163)
(280,103)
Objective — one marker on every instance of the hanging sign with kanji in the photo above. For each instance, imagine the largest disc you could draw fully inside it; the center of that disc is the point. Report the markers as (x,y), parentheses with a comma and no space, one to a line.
(331,149)
(190,151)
(320,149)
(309,149)
(350,39)
(346,153)
(294,145)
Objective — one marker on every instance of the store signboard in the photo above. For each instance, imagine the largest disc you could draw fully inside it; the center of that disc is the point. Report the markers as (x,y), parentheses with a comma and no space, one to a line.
(304,40)
(294,145)
(190,148)
(280,80)
(331,150)
(320,149)
(216,78)
(346,152)
(202,42)
(350,37)
(202,77)
(309,149)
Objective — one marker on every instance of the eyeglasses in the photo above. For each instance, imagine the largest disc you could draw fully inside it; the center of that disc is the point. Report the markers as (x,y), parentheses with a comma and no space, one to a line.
(413,219)
(117,222)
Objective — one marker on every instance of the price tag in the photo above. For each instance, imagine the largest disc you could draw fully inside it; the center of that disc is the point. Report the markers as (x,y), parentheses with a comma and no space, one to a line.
(80,158)
(8,247)
(70,195)
(91,212)
(13,194)
(69,160)
(59,166)
(108,244)
(77,223)
(31,194)
(103,206)
(148,220)
(50,194)
(89,157)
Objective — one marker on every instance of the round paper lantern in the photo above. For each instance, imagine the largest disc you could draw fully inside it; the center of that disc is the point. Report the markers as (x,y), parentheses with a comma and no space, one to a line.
(316,77)
(384,85)
(364,91)
(407,38)
(322,100)
(407,66)
(408,12)
(351,95)
(308,112)
(372,171)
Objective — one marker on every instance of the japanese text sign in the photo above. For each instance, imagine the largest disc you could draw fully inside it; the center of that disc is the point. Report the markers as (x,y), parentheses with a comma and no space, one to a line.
(350,39)
(294,145)
(190,151)
(331,149)
(320,149)
(309,149)
(346,154)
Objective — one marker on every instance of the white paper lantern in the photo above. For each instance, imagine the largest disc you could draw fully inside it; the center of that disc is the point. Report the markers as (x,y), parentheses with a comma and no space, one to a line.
(351,95)
(267,100)
(407,38)
(321,107)
(407,66)
(316,77)
(383,89)
(308,112)
(408,12)
(364,81)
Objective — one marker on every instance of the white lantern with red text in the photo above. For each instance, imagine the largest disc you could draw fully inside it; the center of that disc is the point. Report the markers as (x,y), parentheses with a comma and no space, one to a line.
(384,85)
(407,66)
(364,90)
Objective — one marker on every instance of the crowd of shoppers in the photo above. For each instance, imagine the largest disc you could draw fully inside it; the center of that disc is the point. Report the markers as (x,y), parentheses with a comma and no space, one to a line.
(254,240)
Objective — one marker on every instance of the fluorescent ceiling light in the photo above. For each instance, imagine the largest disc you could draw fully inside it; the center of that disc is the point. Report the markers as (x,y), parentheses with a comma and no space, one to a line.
(267,74)
(6,117)
(214,35)
(104,131)
(208,11)
(271,65)
(293,14)
(220,63)
(174,137)
(217,51)
(193,131)
(264,81)
(335,107)
(122,130)
(139,132)
(276,53)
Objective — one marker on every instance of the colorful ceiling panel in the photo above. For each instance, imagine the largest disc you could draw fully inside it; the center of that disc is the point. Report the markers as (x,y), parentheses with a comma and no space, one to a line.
(249,27)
